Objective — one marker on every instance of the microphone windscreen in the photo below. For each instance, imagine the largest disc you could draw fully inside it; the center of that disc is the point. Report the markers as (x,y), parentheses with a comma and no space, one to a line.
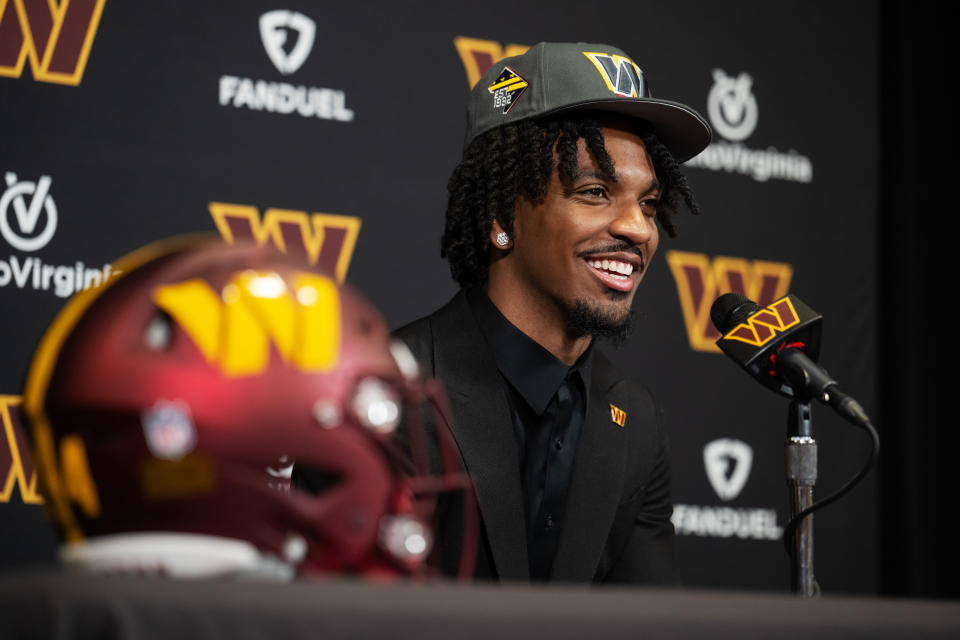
(731,309)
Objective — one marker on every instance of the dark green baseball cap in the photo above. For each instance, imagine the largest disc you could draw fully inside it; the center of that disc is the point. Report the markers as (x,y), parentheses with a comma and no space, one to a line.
(552,77)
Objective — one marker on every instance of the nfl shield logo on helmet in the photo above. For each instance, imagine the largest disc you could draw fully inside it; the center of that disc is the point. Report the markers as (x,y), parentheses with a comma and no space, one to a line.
(507,89)
(168,429)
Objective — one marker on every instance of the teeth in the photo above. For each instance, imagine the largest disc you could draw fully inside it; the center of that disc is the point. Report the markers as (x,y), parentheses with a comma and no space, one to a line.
(623,268)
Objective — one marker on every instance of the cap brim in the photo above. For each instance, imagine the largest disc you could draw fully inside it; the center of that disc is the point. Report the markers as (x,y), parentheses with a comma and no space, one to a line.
(681,129)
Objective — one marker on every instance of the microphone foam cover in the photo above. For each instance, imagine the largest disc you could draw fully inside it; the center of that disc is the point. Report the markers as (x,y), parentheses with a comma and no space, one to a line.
(731,309)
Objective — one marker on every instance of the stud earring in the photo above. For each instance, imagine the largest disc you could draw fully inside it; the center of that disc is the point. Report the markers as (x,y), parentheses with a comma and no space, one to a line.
(503,239)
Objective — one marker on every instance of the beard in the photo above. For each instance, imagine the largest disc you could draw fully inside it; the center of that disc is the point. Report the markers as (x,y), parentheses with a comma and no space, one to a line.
(610,322)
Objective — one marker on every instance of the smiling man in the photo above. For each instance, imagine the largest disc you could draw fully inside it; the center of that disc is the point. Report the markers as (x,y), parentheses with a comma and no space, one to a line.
(569,172)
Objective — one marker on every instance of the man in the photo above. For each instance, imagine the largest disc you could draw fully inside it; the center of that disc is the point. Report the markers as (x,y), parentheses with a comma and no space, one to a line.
(569,166)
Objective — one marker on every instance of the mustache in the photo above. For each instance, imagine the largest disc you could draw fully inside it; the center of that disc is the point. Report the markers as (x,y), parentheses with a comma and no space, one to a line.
(616,247)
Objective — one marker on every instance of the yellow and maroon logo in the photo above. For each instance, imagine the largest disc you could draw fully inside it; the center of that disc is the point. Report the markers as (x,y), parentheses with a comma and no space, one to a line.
(764,325)
(618,415)
(55,36)
(234,328)
(16,465)
(479,55)
(700,279)
(324,239)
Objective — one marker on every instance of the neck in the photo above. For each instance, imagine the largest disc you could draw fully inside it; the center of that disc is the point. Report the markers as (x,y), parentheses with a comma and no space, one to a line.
(541,320)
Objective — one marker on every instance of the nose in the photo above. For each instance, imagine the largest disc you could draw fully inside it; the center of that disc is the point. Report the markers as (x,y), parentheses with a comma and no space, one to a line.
(633,224)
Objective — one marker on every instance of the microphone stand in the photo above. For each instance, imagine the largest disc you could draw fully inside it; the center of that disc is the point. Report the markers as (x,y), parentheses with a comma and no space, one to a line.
(801,467)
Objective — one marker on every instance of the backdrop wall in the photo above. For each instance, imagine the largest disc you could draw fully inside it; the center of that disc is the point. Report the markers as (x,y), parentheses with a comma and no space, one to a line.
(121,123)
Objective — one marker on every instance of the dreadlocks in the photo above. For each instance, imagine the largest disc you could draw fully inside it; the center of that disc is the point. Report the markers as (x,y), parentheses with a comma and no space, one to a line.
(517,160)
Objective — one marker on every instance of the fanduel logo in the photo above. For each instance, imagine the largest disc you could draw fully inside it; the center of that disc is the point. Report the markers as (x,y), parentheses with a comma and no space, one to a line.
(275,30)
(288,38)
(28,221)
(726,522)
(733,112)
(727,462)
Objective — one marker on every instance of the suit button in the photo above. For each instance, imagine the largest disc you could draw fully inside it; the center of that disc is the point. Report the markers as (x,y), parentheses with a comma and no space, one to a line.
(548,522)
(558,444)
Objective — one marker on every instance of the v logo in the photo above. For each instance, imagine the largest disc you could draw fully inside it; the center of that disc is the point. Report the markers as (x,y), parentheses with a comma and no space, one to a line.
(27,217)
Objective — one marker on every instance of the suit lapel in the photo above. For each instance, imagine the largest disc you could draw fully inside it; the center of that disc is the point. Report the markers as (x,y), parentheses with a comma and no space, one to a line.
(484,432)
(596,485)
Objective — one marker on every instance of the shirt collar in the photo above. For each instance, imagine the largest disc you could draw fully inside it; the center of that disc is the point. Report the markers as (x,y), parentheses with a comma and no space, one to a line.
(532,370)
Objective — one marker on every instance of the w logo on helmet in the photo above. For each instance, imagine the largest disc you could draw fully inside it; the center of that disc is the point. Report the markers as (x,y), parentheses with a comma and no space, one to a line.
(235,327)
(621,74)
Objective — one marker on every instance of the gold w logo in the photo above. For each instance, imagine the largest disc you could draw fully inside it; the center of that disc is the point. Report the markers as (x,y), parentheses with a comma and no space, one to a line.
(235,327)
(621,74)
(55,37)
(618,415)
(480,55)
(764,325)
(324,239)
(700,280)
(16,466)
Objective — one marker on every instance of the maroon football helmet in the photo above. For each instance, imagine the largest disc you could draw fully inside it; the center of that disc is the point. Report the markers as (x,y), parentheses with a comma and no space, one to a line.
(233,392)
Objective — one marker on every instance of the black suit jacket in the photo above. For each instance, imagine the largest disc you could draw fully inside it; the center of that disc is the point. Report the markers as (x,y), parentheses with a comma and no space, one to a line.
(617,523)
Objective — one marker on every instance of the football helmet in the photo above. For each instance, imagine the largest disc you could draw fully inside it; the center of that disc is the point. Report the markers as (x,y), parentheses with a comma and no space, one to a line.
(216,393)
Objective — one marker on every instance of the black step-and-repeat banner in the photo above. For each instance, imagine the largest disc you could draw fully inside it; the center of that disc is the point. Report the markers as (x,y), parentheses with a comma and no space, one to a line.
(330,130)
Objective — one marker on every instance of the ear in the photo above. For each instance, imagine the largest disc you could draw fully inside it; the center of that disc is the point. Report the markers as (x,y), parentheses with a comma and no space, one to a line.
(499,237)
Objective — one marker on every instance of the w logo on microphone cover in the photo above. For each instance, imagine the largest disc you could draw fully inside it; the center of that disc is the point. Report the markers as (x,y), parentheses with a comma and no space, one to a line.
(700,279)
(764,325)
(55,36)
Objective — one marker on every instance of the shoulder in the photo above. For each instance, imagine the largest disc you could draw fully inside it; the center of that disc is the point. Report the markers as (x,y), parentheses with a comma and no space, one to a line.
(422,335)
(611,379)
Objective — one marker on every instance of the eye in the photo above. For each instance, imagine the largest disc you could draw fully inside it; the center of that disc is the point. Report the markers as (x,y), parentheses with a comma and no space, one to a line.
(650,204)
(594,192)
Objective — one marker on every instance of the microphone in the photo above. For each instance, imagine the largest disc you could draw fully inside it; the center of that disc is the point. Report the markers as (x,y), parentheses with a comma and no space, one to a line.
(779,346)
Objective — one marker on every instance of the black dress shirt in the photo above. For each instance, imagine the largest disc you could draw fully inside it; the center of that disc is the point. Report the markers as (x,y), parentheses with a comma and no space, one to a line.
(547,402)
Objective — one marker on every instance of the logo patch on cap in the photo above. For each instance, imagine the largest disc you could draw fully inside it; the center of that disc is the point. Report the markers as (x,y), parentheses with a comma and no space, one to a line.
(507,89)
(621,74)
